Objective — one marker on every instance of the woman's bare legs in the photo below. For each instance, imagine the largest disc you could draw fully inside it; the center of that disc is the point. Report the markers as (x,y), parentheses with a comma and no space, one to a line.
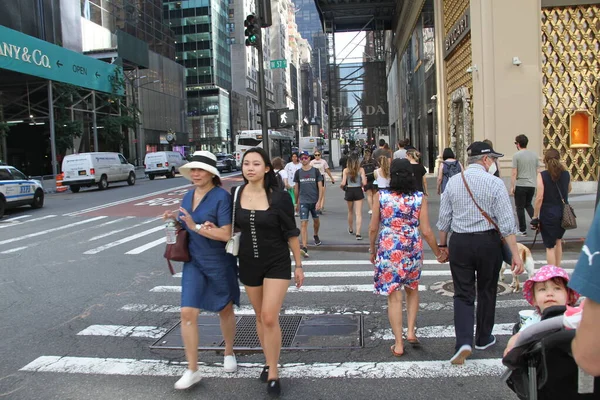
(395,317)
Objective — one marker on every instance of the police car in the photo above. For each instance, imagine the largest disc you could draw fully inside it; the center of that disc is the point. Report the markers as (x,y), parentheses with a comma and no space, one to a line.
(17,190)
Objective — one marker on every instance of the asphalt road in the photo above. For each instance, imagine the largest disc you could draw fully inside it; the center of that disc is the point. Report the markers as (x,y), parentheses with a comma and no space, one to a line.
(85,291)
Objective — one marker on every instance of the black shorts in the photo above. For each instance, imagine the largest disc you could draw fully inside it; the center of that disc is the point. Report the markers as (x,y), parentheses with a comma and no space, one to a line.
(354,194)
(252,271)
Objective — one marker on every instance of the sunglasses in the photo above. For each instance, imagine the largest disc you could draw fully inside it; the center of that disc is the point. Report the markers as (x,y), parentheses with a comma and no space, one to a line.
(304,158)
(317,154)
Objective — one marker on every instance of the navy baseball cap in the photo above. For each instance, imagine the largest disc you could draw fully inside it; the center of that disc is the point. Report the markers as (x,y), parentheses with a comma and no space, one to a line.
(482,149)
(304,153)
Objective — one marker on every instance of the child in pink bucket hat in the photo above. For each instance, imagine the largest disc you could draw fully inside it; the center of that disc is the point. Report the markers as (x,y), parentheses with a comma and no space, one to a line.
(546,288)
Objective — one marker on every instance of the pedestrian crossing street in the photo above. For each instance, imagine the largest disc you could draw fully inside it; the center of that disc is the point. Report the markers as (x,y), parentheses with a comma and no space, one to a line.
(339,286)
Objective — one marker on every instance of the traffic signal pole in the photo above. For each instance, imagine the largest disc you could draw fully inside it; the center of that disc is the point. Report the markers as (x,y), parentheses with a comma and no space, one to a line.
(262,97)
(254,39)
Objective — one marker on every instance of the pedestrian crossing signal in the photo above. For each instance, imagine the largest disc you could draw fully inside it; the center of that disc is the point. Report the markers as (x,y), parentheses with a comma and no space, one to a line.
(252,31)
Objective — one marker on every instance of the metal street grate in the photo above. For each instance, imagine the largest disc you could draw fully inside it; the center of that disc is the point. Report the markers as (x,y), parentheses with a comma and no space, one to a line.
(246,337)
(297,332)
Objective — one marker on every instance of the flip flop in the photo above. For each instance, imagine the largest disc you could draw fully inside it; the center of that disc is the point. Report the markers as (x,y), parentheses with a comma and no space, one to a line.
(392,348)
(414,342)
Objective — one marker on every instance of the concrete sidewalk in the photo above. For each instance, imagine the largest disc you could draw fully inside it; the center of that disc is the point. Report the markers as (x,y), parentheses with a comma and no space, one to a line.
(334,226)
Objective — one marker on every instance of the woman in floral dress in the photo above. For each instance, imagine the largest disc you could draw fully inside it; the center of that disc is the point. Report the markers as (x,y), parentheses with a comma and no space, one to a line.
(398,255)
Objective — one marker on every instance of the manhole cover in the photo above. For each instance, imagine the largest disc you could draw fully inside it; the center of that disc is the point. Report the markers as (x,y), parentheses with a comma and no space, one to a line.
(446,288)
(297,332)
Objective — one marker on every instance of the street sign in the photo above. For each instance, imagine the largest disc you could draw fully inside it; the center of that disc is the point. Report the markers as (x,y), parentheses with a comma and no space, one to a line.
(32,56)
(278,64)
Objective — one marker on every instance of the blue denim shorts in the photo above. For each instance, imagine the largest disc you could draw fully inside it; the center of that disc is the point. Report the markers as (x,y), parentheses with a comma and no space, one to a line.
(305,208)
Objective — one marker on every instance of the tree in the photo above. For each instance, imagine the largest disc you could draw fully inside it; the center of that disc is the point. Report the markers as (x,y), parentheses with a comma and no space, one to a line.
(65,129)
(120,116)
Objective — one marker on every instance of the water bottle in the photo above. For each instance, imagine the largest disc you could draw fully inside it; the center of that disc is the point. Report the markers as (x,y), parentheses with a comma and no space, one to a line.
(171,231)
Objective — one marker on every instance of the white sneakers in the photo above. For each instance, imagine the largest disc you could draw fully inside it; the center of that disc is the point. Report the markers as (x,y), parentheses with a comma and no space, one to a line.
(190,378)
(230,364)
(461,355)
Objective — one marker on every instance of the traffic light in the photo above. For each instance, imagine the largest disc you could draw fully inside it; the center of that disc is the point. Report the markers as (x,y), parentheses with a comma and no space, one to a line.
(252,31)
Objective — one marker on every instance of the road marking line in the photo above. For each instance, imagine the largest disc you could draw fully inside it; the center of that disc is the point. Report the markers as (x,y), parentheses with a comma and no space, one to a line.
(336,310)
(14,250)
(147,246)
(125,240)
(293,289)
(248,310)
(122,229)
(24,222)
(440,331)
(358,274)
(367,262)
(152,332)
(15,218)
(40,233)
(114,221)
(115,203)
(357,370)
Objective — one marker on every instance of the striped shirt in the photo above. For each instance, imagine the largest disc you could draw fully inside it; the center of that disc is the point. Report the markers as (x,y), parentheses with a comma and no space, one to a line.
(458,212)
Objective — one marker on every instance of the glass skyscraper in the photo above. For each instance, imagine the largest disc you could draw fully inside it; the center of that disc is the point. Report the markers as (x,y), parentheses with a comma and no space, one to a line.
(201,46)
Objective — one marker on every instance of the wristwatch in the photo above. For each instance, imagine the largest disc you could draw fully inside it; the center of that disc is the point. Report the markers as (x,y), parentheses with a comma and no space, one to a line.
(198,227)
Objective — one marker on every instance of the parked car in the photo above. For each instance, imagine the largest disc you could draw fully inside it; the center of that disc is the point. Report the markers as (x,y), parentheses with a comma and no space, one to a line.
(165,163)
(225,162)
(88,169)
(18,190)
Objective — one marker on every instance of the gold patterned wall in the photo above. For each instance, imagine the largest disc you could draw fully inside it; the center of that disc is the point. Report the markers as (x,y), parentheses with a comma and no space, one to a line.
(458,62)
(570,76)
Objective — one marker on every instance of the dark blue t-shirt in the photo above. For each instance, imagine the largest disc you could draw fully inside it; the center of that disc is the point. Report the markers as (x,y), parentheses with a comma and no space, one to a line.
(586,277)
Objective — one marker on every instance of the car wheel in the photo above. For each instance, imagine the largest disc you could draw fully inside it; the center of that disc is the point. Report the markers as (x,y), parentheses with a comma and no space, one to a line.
(171,174)
(38,199)
(103,184)
(151,177)
(74,189)
(2,206)
(131,179)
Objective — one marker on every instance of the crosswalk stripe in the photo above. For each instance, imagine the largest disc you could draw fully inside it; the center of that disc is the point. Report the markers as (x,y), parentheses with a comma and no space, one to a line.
(60,228)
(122,229)
(440,331)
(152,332)
(247,310)
(293,289)
(352,274)
(25,222)
(367,262)
(147,246)
(16,218)
(124,240)
(357,370)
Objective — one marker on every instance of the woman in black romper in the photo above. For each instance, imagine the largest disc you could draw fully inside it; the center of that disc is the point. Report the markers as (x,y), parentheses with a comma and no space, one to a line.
(265,217)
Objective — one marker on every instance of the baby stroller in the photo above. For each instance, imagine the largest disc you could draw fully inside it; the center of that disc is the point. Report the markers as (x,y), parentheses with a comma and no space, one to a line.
(541,366)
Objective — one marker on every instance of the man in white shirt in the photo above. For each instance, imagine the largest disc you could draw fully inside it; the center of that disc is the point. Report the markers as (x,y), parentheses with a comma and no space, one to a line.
(323,167)
(290,169)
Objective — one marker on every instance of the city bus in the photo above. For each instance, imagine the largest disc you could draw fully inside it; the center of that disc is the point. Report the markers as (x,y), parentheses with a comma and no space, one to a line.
(280,145)
(312,144)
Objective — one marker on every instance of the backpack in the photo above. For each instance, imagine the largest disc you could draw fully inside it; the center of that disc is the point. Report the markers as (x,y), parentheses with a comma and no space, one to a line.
(369,168)
(451,168)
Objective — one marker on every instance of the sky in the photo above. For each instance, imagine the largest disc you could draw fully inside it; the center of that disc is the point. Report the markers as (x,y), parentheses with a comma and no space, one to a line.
(349,46)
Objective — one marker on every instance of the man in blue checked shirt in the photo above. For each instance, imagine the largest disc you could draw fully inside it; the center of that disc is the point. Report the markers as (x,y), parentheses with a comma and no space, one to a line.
(475,247)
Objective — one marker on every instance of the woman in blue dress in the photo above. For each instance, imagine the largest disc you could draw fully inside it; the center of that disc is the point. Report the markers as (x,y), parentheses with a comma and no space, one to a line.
(209,280)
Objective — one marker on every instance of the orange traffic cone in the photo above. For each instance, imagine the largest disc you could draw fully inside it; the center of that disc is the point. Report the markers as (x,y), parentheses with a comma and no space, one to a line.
(59,185)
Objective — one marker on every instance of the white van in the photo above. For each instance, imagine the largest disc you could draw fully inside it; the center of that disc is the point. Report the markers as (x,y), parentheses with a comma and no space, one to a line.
(87,169)
(165,163)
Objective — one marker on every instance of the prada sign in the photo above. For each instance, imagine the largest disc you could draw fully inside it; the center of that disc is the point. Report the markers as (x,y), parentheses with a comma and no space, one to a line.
(458,31)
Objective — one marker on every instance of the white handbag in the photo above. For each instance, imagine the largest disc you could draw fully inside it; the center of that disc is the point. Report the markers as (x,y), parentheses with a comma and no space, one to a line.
(233,245)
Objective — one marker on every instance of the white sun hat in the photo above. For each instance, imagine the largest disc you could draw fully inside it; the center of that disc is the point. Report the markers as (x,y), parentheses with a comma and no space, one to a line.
(200,160)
